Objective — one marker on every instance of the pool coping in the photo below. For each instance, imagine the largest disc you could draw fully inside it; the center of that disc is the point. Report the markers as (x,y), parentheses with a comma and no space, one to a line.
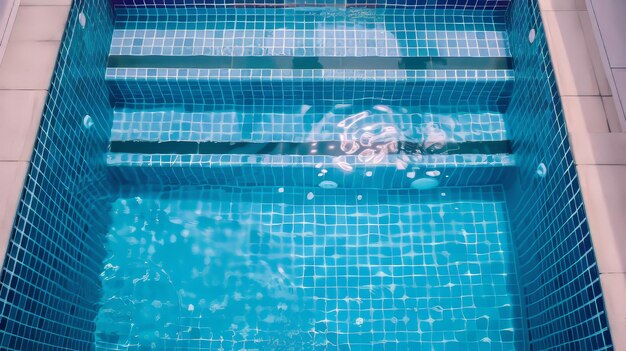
(8,10)
(598,142)
(25,74)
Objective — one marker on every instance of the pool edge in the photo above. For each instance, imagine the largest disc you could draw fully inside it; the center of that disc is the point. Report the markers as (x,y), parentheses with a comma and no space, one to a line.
(597,142)
(26,97)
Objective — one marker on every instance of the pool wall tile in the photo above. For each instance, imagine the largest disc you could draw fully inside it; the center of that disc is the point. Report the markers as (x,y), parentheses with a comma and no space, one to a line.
(559,277)
(257,170)
(490,89)
(291,124)
(319,32)
(49,286)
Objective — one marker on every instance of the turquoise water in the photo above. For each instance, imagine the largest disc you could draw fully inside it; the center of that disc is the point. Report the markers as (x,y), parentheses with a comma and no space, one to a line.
(272,268)
(320,121)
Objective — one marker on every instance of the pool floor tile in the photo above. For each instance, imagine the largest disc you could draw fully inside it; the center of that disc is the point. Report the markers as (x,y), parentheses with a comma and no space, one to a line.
(246,268)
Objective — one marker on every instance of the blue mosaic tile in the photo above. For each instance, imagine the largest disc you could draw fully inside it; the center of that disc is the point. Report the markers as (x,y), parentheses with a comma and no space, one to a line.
(558,272)
(336,269)
(50,286)
(347,171)
(322,31)
(487,89)
(303,123)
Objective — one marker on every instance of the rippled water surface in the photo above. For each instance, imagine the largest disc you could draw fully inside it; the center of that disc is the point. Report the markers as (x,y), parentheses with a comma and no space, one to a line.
(301,269)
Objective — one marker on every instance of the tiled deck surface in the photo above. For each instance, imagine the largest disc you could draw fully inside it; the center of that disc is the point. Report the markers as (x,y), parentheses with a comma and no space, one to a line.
(25,73)
(598,139)
(609,27)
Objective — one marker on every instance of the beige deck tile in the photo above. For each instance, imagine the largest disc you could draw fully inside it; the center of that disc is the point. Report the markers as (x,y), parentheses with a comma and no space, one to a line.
(599,148)
(585,114)
(45,2)
(605,202)
(572,63)
(612,116)
(20,114)
(28,64)
(594,54)
(12,175)
(39,23)
(613,288)
(562,5)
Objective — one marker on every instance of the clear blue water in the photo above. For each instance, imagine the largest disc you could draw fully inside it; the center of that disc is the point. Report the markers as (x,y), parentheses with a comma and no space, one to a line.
(289,262)
(310,269)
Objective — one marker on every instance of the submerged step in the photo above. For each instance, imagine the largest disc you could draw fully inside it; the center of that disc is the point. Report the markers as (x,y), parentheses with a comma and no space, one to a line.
(311,62)
(389,171)
(309,32)
(489,89)
(302,124)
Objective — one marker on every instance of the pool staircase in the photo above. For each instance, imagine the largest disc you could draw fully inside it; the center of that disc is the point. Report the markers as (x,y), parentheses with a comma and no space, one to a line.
(232,127)
(266,95)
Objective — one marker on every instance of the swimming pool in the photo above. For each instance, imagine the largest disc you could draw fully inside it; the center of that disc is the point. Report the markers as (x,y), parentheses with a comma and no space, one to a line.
(306,176)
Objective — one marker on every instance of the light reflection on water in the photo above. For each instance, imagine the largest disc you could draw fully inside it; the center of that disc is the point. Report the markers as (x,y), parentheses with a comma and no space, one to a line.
(184,275)
(362,133)
(373,134)
(300,269)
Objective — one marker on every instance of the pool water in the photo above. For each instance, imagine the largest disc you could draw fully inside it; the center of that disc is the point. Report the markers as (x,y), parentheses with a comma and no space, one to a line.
(273,268)
(309,178)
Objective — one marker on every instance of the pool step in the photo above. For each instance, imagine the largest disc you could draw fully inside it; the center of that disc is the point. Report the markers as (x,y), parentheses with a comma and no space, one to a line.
(194,87)
(486,89)
(391,171)
(292,145)
(429,53)
(309,32)
(300,124)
